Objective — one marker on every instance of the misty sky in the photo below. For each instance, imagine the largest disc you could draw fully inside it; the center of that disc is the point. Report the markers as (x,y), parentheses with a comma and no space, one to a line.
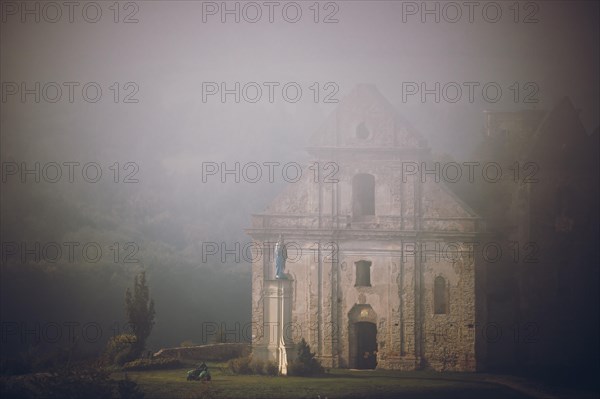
(170,131)
(170,52)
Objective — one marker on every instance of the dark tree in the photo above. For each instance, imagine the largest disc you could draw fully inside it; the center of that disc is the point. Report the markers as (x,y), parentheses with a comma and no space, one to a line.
(140,311)
(306,364)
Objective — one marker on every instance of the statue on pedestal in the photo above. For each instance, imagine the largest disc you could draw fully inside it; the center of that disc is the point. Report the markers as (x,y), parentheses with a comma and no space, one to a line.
(280,258)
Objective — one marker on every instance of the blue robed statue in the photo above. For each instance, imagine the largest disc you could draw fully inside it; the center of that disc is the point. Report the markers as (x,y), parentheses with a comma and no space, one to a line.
(280,258)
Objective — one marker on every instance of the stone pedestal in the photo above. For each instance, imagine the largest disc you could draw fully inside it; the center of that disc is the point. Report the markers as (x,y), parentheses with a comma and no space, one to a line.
(276,344)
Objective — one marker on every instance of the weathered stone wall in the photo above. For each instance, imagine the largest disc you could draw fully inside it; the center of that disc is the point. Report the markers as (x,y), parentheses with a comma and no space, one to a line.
(449,342)
(409,214)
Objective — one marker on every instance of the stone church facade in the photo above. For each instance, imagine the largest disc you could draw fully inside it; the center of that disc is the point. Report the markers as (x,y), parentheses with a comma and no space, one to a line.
(380,261)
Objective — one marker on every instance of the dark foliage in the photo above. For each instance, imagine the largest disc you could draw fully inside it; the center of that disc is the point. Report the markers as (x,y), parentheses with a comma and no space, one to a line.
(75,383)
(306,364)
(240,365)
(120,349)
(140,312)
(152,364)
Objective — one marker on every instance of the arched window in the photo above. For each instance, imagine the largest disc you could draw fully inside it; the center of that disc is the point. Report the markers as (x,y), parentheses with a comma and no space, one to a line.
(363,273)
(363,195)
(440,296)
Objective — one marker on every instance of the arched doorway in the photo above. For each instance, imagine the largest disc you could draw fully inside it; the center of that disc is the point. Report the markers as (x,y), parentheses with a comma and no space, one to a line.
(362,337)
(366,345)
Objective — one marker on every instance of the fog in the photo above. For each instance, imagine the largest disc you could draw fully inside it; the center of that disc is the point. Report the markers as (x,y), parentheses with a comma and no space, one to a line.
(160,121)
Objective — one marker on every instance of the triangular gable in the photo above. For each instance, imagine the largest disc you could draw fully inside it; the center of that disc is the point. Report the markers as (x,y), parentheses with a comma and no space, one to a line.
(382,126)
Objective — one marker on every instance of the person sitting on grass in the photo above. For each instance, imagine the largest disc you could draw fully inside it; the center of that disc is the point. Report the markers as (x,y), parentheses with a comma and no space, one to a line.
(204,374)
(200,373)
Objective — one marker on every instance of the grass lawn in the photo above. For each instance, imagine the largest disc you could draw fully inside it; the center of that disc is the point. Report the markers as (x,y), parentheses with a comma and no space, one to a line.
(339,383)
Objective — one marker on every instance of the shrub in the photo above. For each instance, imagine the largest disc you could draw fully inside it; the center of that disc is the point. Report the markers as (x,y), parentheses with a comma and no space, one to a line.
(75,384)
(257,367)
(51,360)
(240,365)
(305,364)
(271,368)
(120,349)
(152,364)
(89,383)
